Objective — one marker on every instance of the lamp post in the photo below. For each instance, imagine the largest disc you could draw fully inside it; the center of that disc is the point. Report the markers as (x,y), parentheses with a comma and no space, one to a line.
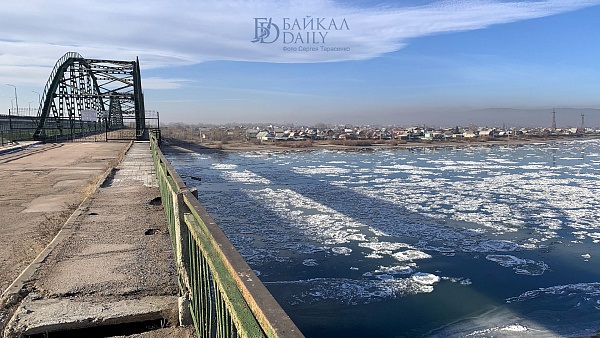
(16,99)
(9,118)
(39,98)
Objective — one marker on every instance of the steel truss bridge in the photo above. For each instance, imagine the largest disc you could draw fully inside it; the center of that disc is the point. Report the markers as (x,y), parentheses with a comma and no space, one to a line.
(84,92)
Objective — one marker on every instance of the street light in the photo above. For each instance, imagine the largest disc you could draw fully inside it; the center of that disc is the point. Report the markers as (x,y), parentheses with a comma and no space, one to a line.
(39,97)
(9,118)
(39,103)
(16,99)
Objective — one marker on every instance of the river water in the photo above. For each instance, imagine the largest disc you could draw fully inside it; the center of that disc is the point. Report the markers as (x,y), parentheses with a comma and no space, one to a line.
(482,241)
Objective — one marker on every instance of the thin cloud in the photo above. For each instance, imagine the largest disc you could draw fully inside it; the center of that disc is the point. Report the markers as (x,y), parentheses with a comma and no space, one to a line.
(163,83)
(163,33)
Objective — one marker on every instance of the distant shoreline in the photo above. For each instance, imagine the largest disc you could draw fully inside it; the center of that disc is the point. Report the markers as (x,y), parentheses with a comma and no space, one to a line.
(179,146)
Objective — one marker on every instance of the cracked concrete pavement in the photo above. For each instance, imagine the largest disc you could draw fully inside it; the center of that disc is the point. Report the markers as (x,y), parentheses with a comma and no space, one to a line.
(113,254)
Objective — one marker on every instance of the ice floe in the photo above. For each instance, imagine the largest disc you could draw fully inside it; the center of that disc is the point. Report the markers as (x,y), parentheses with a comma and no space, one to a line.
(352,291)
(224,166)
(395,270)
(310,262)
(589,290)
(425,278)
(246,177)
(520,266)
(341,250)
(410,255)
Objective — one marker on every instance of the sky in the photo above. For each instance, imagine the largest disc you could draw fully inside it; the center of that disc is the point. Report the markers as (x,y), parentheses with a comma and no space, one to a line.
(443,62)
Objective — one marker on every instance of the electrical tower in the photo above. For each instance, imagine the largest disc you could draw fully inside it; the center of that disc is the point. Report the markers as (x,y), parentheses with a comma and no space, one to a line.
(553,119)
(582,121)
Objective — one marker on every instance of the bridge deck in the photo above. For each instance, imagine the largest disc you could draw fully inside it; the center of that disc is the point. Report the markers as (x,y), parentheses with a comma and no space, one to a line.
(112,262)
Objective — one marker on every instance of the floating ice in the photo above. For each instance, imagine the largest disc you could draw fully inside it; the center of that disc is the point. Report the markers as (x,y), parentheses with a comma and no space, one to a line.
(509,330)
(352,291)
(425,278)
(520,266)
(224,166)
(246,177)
(583,289)
(395,270)
(341,250)
(515,328)
(410,255)
(385,277)
(310,262)
(383,248)
(501,160)
(466,281)
(495,246)
(320,170)
(322,223)
(457,201)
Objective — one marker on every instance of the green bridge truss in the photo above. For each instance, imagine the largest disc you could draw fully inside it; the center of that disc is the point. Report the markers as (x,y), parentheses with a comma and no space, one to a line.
(111,88)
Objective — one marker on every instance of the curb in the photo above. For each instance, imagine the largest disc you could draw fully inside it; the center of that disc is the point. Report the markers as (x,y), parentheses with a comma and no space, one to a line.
(8,149)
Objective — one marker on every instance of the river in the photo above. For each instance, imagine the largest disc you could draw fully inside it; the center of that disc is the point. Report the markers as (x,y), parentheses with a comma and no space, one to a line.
(478,241)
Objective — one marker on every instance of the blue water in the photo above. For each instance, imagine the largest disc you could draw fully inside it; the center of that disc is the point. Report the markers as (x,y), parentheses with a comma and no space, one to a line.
(482,241)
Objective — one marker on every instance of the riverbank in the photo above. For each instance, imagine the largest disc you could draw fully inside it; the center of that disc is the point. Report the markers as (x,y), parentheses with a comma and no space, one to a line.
(177,145)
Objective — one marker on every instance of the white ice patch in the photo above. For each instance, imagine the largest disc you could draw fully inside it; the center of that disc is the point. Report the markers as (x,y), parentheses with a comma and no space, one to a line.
(500,331)
(501,160)
(310,262)
(224,166)
(585,289)
(383,248)
(341,250)
(410,255)
(520,266)
(501,193)
(246,177)
(353,291)
(515,328)
(425,278)
(320,170)
(495,245)
(316,220)
(395,270)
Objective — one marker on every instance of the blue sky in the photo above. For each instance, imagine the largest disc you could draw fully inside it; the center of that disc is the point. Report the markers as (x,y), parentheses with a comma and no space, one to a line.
(409,62)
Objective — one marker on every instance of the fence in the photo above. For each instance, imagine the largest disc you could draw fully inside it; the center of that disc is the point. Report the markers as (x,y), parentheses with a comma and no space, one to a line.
(14,128)
(226,299)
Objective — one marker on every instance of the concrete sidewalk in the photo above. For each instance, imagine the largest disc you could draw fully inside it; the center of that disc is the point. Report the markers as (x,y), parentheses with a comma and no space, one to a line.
(111,263)
(40,187)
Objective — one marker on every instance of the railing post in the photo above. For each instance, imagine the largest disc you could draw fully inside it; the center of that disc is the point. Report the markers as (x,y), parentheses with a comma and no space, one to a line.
(181,247)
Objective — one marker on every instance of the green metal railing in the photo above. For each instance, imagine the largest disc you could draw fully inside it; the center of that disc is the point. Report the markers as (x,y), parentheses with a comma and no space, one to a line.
(226,299)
